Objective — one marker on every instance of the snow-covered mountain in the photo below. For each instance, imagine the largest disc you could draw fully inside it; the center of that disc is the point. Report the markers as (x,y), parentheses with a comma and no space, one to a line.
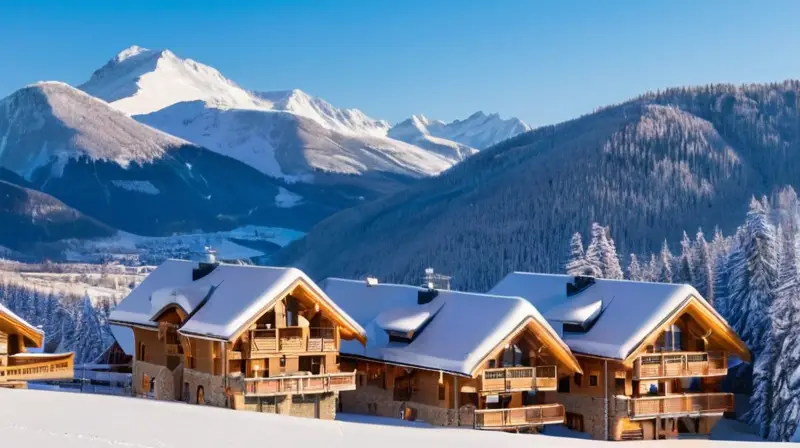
(99,161)
(52,123)
(285,134)
(478,131)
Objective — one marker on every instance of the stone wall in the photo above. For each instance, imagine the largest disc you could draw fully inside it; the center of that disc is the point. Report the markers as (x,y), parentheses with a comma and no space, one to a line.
(592,411)
(213,387)
(372,400)
(144,372)
(295,405)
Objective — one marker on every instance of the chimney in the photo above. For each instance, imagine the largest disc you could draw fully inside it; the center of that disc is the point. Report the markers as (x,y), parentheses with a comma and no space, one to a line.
(211,255)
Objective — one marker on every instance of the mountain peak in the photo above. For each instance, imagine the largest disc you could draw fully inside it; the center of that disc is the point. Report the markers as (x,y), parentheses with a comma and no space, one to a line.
(133,50)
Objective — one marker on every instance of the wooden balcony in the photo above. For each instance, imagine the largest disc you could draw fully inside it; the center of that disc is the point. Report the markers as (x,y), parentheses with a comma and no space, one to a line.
(681,405)
(59,367)
(264,342)
(300,384)
(519,417)
(680,364)
(172,349)
(517,379)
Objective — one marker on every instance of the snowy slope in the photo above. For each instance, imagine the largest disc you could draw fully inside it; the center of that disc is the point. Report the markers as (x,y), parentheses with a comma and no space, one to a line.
(51,122)
(478,131)
(291,146)
(41,419)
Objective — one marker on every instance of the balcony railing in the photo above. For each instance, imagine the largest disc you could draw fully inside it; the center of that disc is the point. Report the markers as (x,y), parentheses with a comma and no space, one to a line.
(300,384)
(681,405)
(54,369)
(514,379)
(519,417)
(680,364)
(292,340)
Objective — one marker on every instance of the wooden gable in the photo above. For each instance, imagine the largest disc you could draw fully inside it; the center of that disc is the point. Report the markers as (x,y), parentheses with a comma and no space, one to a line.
(716,330)
(10,324)
(538,337)
(309,300)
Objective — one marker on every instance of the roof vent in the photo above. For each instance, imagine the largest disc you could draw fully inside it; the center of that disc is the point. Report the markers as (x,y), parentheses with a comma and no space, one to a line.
(426,296)
(579,283)
(372,281)
(202,270)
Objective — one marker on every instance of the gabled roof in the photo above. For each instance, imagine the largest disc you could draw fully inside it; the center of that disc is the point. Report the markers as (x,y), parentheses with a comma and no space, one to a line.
(31,333)
(626,312)
(454,332)
(219,304)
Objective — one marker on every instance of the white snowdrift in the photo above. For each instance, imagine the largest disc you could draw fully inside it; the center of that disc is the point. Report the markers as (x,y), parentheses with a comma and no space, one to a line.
(40,419)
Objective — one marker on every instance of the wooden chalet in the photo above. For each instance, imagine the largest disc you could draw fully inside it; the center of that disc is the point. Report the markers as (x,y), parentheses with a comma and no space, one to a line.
(653,355)
(451,358)
(17,365)
(256,338)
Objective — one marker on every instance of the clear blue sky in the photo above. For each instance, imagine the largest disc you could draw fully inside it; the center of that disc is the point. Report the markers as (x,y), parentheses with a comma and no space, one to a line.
(543,61)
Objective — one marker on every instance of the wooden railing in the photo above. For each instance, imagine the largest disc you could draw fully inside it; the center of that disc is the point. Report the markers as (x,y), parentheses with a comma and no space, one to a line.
(300,384)
(680,364)
(519,417)
(56,369)
(681,404)
(519,379)
(292,340)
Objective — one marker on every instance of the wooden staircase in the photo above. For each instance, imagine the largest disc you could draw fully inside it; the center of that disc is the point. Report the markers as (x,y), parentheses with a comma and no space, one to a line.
(633,434)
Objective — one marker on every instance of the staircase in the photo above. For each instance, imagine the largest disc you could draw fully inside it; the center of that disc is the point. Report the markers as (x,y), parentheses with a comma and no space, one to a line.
(633,434)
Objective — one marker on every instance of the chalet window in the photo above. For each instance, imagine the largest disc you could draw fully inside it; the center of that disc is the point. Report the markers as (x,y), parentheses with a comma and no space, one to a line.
(492,363)
(619,386)
(441,392)
(578,379)
(593,380)
(142,354)
(563,385)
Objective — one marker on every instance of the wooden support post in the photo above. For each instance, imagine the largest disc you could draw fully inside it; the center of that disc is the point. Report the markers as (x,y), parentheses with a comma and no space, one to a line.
(455,400)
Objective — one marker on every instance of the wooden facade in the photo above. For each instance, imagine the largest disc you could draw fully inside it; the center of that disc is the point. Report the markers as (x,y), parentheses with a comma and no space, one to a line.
(505,391)
(285,359)
(670,384)
(17,366)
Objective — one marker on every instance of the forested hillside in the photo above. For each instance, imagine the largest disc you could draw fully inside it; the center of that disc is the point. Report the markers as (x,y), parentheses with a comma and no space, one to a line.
(648,168)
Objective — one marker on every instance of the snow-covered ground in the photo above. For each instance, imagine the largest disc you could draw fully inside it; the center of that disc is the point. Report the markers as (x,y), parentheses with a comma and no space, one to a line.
(39,419)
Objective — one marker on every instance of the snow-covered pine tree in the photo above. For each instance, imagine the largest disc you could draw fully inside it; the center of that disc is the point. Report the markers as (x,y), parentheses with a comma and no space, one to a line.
(89,334)
(652,271)
(594,251)
(576,259)
(635,271)
(609,257)
(759,274)
(756,292)
(683,265)
(665,265)
(783,403)
(703,264)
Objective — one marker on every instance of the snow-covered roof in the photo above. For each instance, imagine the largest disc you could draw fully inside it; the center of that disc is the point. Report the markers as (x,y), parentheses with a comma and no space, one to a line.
(22,323)
(454,332)
(220,303)
(628,311)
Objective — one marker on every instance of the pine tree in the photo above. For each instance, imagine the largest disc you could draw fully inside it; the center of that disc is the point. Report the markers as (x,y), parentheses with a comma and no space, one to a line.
(665,266)
(683,273)
(89,333)
(610,260)
(576,260)
(635,271)
(703,278)
(594,252)
(783,364)
(755,292)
